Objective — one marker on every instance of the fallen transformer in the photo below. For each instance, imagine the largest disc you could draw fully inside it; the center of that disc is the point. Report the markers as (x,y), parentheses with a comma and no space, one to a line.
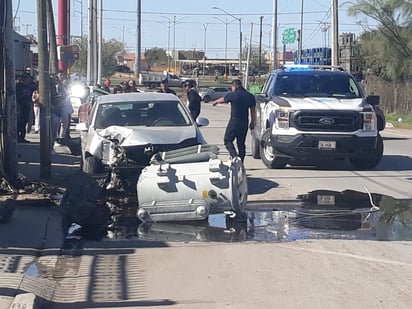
(178,185)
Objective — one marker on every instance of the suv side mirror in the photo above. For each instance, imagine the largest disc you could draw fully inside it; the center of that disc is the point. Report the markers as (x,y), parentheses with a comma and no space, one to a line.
(373,100)
(262,97)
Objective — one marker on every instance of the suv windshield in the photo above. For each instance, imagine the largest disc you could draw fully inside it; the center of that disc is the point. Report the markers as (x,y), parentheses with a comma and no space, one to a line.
(316,85)
(160,114)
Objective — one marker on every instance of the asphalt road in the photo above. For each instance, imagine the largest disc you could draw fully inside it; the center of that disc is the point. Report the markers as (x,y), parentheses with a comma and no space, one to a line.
(131,272)
(393,176)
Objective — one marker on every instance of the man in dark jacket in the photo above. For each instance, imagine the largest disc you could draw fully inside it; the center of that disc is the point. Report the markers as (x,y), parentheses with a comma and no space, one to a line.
(193,99)
(164,87)
(241,101)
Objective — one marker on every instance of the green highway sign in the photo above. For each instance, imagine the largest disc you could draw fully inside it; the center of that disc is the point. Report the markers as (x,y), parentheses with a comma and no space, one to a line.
(289,36)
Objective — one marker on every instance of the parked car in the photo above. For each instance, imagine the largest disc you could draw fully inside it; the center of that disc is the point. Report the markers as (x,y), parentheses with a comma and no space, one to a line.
(84,109)
(142,123)
(213,93)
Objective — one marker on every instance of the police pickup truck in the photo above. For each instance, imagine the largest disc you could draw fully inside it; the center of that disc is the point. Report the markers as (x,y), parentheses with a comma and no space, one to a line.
(312,113)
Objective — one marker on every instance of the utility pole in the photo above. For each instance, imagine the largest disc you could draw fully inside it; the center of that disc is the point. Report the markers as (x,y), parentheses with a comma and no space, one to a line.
(300,42)
(52,37)
(44,90)
(8,125)
(100,43)
(260,42)
(138,63)
(249,52)
(90,45)
(335,33)
(275,34)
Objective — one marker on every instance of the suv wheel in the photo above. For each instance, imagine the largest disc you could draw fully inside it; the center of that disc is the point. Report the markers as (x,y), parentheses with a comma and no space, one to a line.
(206,99)
(267,153)
(372,161)
(255,147)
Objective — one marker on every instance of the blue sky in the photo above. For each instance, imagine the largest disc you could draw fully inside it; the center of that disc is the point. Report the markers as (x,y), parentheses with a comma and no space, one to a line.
(192,14)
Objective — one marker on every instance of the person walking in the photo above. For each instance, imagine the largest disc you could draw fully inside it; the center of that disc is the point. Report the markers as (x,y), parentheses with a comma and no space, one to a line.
(164,87)
(241,101)
(24,90)
(36,110)
(193,99)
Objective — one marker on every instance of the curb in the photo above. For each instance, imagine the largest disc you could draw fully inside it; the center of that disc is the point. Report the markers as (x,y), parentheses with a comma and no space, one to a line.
(26,301)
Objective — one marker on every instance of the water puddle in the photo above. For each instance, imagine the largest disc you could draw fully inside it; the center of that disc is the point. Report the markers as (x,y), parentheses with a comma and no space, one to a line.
(321,214)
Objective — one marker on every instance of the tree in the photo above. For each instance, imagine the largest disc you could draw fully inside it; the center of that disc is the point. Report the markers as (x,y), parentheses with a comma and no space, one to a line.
(387,51)
(155,56)
(109,50)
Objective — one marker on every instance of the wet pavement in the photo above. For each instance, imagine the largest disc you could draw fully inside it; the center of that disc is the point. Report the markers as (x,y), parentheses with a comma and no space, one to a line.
(321,214)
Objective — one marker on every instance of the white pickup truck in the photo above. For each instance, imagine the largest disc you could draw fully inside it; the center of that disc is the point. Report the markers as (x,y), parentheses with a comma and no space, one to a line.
(307,112)
(153,79)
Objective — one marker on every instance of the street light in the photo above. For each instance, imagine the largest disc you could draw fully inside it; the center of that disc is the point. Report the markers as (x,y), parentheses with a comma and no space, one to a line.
(204,49)
(240,33)
(174,21)
(168,25)
(226,24)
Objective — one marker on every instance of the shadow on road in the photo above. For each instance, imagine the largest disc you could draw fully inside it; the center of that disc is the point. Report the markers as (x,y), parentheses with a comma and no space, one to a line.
(260,185)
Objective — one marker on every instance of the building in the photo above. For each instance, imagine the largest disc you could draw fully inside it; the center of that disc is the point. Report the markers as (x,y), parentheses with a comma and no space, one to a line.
(22,53)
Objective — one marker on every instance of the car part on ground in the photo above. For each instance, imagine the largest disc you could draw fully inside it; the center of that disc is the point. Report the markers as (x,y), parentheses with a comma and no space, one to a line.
(309,112)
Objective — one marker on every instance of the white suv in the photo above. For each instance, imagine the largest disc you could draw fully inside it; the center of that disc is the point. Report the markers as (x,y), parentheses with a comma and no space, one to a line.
(305,113)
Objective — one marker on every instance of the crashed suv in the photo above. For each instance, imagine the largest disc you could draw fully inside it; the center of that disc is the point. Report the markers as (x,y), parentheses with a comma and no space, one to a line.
(309,113)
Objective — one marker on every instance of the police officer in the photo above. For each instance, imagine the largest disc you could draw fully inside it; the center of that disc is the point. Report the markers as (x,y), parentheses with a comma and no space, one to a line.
(164,87)
(241,101)
(193,99)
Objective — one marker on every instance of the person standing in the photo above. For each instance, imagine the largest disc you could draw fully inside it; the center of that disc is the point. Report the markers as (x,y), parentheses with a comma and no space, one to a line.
(36,110)
(164,87)
(24,90)
(241,101)
(193,99)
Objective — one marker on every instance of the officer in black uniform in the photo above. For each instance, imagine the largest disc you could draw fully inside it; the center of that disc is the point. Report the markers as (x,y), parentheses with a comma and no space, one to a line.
(241,101)
(164,87)
(193,98)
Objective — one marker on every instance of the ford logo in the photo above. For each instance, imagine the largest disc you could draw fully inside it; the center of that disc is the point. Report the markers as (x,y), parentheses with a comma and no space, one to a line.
(326,121)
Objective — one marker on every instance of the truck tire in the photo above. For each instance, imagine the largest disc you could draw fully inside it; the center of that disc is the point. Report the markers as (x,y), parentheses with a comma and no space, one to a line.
(206,99)
(372,161)
(255,148)
(267,153)
(91,166)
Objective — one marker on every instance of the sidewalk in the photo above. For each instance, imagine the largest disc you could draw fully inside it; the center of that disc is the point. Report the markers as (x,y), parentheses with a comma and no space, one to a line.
(35,231)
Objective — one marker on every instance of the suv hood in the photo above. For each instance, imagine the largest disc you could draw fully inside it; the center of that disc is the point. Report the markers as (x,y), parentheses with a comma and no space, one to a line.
(322,103)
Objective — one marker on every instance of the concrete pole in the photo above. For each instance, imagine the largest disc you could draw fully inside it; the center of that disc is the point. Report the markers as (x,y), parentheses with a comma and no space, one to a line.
(52,38)
(138,62)
(240,45)
(44,91)
(95,43)
(174,43)
(168,45)
(8,125)
(335,33)
(100,43)
(90,52)
(275,34)
(226,24)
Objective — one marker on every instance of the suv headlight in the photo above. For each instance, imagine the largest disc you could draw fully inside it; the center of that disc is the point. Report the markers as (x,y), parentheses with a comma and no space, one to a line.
(369,121)
(282,119)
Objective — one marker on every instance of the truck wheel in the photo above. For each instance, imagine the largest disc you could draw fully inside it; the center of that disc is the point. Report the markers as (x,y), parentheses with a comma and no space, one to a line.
(206,99)
(91,166)
(255,148)
(267,152)
(372,161)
